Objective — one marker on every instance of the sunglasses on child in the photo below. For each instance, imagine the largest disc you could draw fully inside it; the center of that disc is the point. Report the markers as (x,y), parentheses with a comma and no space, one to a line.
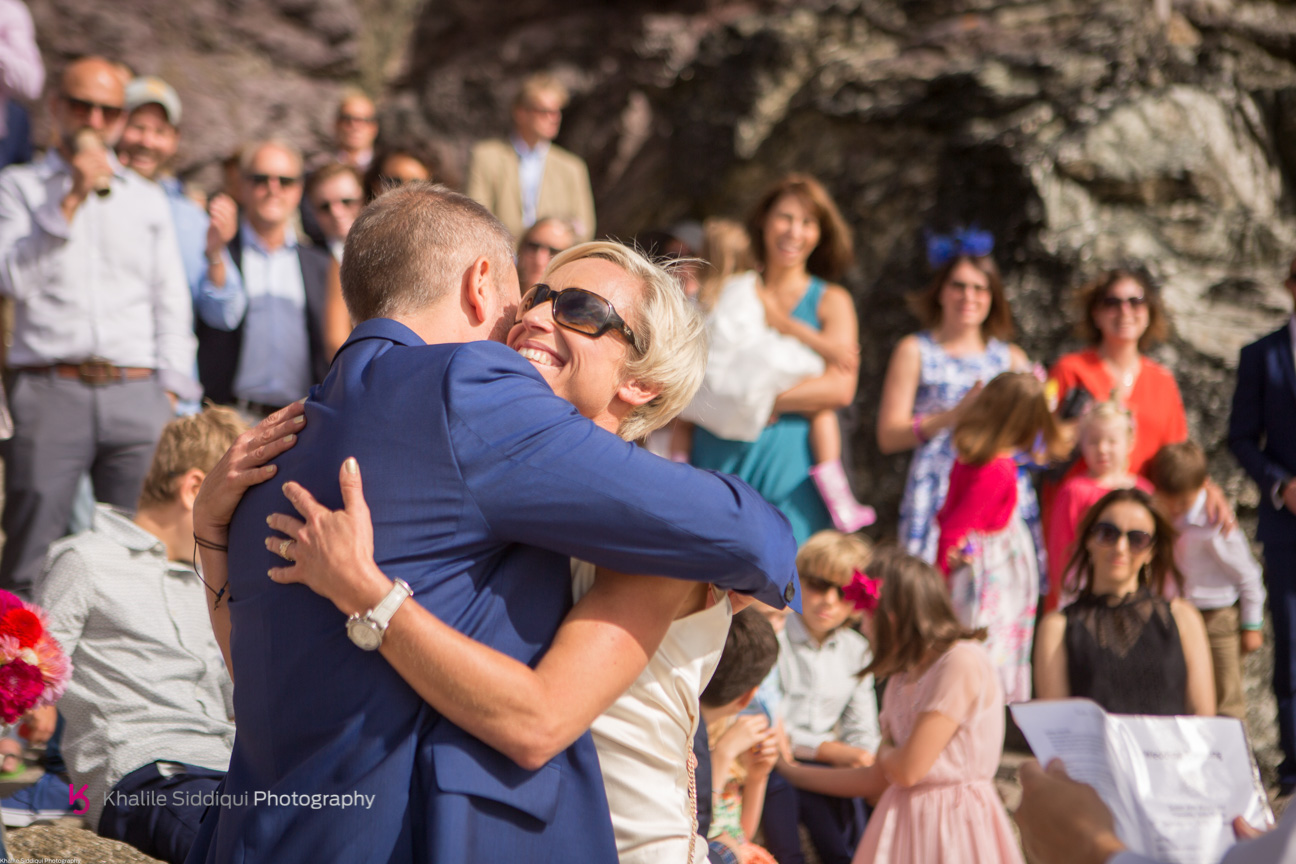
(815,585)
(1108,534)
(579,310)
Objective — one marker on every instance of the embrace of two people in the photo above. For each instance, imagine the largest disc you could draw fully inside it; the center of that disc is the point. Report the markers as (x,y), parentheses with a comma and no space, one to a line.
(488,467)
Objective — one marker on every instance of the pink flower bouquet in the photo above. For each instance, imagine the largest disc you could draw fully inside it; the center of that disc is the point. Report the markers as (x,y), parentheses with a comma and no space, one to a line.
(34,671)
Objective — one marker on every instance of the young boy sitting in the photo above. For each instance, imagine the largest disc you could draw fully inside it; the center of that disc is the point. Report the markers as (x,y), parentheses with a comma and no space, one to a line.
(742,745)
(1218,569)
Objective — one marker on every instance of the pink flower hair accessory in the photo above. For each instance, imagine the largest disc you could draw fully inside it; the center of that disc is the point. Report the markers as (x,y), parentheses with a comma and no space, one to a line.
(863,591)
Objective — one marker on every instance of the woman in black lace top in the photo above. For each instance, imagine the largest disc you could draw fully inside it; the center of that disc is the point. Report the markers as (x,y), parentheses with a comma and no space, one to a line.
(1121,643)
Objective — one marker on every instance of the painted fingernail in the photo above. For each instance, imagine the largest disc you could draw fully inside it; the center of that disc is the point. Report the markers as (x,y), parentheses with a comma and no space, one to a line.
(352,467)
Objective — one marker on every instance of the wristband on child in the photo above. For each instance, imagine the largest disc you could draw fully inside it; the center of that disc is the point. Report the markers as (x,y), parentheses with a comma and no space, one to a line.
(917,428)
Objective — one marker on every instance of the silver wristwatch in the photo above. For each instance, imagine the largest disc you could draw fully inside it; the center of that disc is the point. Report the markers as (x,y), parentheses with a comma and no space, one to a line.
(367,630)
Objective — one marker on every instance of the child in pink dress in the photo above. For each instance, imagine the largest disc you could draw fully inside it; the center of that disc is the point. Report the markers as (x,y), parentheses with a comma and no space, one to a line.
(1106,434)
(942,726)
(985,546)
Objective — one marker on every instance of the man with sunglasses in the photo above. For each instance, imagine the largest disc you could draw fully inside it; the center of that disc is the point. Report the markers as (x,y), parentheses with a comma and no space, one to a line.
(541,242)
(1262,435)
(528,176)
(103,335)
(273,350)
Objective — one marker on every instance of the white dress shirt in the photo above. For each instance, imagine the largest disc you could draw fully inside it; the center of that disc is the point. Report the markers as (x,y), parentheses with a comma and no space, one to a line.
(531,162)
(1218,568)
(274,363)
(824,698)
(110,285)
(148,680)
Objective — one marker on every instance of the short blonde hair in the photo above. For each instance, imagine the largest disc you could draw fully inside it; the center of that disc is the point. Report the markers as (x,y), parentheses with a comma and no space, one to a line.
(834,557)
(726,246)
(540,82)
(670,335)
(196,441)
(1103,412)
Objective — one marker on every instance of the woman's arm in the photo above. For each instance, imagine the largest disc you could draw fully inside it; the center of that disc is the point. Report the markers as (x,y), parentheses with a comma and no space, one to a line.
(530,715)
(1050,661)
(836,387)
(909,763)
(895,429)
(242,466)
(1200,692)
(842,352)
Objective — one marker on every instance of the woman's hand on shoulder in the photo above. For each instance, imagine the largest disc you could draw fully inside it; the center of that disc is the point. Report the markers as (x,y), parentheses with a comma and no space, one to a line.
(242,467)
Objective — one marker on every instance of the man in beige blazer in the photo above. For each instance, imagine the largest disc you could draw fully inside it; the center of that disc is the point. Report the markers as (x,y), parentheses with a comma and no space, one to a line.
(528,177)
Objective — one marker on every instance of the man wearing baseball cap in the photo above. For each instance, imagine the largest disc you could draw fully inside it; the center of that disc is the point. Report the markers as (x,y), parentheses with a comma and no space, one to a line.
(147,145)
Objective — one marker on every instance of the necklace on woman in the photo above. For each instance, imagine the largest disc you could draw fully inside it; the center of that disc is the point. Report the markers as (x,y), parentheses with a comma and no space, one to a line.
(1126,377)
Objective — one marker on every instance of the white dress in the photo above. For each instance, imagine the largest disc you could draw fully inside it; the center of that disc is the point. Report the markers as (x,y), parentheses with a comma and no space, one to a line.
(645,740)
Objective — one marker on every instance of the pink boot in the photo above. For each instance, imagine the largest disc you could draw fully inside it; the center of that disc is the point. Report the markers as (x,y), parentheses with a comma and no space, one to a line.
(848,515)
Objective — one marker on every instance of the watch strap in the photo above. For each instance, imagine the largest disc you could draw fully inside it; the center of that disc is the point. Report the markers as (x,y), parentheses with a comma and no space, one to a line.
(383,612)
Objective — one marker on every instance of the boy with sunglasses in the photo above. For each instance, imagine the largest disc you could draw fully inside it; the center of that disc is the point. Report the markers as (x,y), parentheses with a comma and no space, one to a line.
(1218,569)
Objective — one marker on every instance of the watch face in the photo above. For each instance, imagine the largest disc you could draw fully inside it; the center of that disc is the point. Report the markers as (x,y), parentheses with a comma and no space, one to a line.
(364,633)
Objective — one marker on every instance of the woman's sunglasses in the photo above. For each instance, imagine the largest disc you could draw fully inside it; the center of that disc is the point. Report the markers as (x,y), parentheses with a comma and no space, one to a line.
(1108,534)
(579,310)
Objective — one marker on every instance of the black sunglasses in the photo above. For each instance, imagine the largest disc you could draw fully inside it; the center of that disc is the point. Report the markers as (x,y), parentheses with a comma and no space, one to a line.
(820,586)
(85,108)
(533,246)
(579,310)
(1117,302)
(1108,534)
(346,203)
(264,180)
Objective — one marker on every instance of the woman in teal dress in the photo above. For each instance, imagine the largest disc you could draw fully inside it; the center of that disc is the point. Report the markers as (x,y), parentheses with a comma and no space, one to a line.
(801,245)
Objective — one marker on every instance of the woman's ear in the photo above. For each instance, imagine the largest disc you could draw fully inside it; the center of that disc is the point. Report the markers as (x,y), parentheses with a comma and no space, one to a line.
(632,392)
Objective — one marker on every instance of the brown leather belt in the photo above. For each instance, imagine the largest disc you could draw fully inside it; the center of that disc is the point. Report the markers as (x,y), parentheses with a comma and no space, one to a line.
(93,372)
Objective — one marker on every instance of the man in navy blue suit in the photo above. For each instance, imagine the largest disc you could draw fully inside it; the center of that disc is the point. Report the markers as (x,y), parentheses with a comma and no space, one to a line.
(1262,435)
(482,483)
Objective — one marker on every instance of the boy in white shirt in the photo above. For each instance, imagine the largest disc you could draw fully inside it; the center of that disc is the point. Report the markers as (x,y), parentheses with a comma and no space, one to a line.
(1218,569)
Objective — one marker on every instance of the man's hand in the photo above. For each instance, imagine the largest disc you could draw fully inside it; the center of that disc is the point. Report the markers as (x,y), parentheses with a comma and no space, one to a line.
(1289,495)
(224,223)
(1252,640)
(38,724)
(90,168)
(1218,511)
(1062,821)
(760,758)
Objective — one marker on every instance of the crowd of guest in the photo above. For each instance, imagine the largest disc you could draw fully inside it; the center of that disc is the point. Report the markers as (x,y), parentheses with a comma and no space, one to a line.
(1059,534)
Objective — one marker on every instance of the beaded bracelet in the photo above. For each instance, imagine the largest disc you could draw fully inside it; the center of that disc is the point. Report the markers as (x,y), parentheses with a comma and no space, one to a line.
(917,428)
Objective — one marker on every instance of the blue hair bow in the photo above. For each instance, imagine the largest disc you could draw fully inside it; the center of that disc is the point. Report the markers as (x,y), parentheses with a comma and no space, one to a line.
(943,248)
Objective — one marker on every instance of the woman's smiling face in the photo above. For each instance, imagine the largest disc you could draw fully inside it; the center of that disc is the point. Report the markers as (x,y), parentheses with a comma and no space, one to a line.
(588,371)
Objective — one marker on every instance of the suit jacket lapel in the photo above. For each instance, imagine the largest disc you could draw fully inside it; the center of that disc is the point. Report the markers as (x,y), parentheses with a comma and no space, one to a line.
(1284,349)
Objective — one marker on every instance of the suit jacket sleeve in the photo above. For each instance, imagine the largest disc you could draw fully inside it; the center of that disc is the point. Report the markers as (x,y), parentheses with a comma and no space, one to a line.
(1246,422)
(542,475)
(479,185)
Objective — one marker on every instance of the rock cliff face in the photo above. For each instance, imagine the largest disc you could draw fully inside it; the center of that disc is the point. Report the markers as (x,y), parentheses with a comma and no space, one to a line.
(1083,133)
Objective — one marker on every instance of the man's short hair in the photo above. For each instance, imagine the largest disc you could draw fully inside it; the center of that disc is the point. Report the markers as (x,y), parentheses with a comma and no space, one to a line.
(411,247)
(1178,469)
(196,441)
(248,154)
(670,334)
(540,82)
(328,172)
(749,654)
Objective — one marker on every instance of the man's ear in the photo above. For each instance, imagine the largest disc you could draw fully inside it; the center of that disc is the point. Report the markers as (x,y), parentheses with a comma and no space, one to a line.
(478,291)
(744,700)
(633,392)
(187,489)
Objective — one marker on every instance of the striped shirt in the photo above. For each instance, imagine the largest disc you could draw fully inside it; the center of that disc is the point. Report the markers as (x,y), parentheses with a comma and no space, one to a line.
(148,680)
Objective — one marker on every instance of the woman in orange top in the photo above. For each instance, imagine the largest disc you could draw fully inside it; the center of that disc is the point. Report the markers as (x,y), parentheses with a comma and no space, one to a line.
(1123,317)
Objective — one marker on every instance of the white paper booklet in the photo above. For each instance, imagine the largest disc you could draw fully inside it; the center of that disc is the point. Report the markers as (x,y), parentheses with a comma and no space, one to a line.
(1174,784)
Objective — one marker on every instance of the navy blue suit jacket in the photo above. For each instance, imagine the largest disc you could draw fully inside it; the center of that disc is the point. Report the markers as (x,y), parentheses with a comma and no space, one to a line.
(482,484)
(1262,427)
